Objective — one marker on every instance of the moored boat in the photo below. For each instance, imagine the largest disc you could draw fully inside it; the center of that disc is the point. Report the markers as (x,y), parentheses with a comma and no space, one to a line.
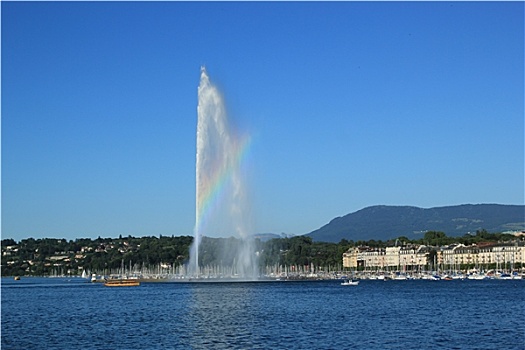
(122,283)
(400,277)
(349,283)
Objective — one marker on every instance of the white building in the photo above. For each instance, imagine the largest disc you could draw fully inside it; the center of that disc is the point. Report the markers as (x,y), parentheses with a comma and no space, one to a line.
(503,255)
(407,257)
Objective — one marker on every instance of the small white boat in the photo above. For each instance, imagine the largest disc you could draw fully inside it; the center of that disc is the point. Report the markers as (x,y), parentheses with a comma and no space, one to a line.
(400,277)
(349,283)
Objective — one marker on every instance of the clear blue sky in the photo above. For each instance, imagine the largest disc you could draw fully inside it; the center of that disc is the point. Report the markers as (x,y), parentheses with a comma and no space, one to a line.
(349,104)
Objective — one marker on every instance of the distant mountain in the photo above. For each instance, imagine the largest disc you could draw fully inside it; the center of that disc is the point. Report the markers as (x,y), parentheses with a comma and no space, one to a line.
(384,222)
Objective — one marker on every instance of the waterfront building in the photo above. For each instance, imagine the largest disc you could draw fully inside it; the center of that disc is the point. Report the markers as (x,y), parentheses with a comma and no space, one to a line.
(508,254)
(466,255)
(485,256)
(449,254)
(350,258)
(392,255)
(422,256)
(393,258)
(504,256)
(371,258)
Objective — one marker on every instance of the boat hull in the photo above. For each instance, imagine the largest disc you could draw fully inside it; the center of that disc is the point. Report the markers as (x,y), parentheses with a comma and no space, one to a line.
(350,283)
(122,283)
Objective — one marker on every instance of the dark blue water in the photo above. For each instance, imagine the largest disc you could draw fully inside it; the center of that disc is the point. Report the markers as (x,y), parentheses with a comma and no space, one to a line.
(73,314)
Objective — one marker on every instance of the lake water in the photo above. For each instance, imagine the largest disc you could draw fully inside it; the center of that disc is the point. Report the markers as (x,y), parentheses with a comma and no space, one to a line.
(55,313)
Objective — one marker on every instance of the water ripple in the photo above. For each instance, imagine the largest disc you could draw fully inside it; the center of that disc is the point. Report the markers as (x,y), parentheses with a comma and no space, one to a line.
(289,315)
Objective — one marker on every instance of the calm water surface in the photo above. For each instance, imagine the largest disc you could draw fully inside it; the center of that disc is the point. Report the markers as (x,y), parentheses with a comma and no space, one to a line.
(63,314)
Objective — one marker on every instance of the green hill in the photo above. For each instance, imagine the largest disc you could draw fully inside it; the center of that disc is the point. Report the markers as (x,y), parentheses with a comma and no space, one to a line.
(384,222)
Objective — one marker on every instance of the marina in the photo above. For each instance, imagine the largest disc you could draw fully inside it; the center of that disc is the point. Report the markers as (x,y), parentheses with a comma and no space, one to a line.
(322,276)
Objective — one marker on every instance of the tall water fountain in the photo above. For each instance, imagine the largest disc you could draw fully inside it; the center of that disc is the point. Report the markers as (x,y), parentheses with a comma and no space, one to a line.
(222,204)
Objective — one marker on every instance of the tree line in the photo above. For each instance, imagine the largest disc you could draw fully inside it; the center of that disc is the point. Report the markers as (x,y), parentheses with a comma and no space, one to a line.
(47,256)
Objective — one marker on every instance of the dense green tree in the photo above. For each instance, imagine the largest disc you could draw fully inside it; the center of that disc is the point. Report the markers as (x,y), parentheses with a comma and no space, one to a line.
(8,242)
(32,256)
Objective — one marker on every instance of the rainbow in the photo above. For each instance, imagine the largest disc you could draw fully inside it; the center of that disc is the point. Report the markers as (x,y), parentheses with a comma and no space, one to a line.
(211,186)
